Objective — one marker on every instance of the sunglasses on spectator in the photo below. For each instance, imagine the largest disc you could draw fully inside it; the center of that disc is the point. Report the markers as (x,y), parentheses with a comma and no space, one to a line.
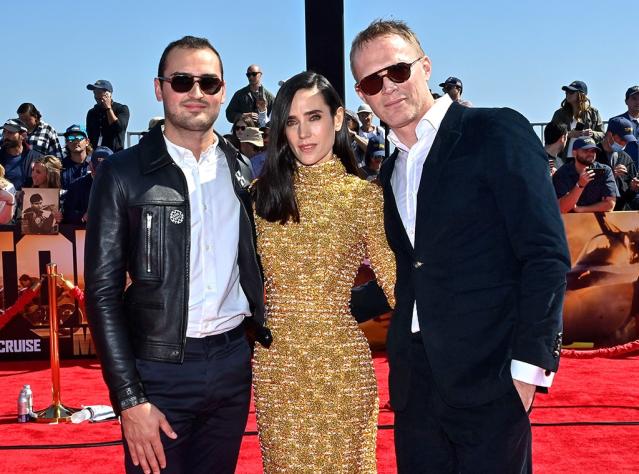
(253,74)
(398,73)
(74,138)
(182,83)
(239,127)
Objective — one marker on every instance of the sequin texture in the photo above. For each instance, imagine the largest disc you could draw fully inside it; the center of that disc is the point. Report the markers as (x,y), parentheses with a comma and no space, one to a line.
(315,387)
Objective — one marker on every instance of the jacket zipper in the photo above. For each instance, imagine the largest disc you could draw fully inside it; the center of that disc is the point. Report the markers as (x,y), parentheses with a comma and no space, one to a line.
(149,222)
(187,257)
(247,219)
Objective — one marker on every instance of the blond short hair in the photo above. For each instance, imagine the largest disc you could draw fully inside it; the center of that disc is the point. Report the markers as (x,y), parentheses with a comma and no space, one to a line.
(379,28)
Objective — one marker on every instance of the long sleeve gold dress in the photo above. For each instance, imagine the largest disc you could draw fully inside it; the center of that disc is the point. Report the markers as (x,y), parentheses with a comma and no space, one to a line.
(315,387)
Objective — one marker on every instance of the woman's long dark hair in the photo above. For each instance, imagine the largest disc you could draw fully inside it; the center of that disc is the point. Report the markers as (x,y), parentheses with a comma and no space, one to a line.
(274,192)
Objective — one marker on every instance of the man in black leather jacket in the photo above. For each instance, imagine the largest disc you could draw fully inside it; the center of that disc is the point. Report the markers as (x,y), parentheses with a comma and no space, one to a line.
(174,214)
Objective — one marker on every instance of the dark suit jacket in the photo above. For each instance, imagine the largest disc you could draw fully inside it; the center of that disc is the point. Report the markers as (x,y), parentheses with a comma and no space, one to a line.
(488,270)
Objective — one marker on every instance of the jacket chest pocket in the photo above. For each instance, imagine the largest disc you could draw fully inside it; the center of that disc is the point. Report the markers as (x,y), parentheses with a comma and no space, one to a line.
(150,242)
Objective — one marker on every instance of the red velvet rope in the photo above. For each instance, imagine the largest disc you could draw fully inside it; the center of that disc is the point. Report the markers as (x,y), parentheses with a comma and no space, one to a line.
(26,297)
(606,352)
(23,300)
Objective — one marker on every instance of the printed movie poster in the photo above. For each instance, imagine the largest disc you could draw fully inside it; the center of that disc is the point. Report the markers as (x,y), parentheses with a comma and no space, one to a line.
(39,209)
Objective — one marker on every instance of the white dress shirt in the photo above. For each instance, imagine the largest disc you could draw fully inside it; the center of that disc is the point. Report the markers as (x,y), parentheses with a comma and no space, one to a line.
(405,181)
(217,302)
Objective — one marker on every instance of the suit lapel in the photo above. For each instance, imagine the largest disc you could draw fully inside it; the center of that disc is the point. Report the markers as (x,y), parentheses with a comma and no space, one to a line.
(390,204)
(447,137)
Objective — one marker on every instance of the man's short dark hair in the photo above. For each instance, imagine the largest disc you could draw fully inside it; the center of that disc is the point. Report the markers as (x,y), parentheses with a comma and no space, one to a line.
(188,42)
(553,132)
(35,198)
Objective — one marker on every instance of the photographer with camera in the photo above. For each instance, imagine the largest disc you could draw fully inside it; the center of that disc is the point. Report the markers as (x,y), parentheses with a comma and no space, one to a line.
(581,118)
(611,151)
(107,120)
(583,184)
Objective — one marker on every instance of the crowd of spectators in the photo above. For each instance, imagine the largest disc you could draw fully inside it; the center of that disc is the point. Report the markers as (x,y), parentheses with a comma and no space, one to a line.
(31,157)
(592,169)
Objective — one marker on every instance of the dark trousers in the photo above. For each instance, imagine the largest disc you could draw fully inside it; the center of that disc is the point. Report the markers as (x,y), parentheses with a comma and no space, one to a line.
(205,400)
(433,437)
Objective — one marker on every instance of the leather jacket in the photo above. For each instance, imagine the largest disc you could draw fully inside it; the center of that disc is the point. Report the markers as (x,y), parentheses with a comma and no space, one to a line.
(139,223)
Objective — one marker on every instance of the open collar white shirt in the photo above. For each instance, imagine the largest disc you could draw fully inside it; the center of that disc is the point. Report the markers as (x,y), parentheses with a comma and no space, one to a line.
(217,302)
(405,181)
(407,173)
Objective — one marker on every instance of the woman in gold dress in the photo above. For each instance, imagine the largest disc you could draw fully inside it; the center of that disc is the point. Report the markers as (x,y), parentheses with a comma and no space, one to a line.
(315,387)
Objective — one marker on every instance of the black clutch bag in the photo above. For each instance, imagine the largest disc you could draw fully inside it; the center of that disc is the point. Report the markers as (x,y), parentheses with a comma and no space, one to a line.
(368,301)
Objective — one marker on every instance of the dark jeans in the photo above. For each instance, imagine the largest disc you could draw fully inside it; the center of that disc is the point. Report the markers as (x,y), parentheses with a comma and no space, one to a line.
(433,437)
(205,400)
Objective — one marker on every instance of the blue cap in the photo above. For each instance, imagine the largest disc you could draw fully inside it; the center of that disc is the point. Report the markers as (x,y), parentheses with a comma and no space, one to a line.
(452,81)
(578,86)
(75,129)
(375,148)
(584,144)
(101,84)
(622,127)
(100,153)
(632,91)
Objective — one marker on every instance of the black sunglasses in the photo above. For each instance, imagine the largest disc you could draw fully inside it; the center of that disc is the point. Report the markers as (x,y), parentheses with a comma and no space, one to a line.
(239,127)
(182,83)
(252,74)
(398,73)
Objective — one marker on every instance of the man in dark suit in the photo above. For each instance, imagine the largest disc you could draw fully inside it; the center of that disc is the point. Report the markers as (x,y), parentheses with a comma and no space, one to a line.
(482,258)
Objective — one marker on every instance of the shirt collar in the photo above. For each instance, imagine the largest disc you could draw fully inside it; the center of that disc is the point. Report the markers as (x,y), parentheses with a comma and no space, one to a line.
(432,120)
(183,155)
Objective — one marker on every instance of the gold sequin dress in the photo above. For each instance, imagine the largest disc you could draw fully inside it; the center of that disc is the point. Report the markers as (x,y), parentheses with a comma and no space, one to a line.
(315,387)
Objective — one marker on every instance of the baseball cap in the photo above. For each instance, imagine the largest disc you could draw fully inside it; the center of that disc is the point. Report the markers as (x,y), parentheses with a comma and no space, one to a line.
(252,135)
(352,115)
(376,147)
(364,109)
(75,129)
(632,91)
(452,81)
(14,125)
(584,144)
(101,84)
(99,154)
(579,86)
(622,127)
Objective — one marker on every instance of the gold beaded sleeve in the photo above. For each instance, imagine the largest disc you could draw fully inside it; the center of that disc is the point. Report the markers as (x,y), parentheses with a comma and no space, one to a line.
(371,216)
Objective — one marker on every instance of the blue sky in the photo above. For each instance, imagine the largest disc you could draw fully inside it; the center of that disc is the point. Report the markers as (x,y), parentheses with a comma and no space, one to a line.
(507,53)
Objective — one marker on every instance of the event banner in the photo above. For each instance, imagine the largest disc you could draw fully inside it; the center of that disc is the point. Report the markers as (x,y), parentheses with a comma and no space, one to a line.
(601,307)
(25,335)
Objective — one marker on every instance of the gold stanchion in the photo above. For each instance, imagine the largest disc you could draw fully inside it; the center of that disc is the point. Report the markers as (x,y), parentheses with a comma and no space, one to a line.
(56,412)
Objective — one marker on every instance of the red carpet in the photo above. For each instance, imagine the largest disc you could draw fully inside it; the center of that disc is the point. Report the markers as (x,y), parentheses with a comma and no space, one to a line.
(585,391)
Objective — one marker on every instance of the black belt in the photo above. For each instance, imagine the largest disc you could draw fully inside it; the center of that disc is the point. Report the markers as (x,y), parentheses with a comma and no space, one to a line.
(218,339)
